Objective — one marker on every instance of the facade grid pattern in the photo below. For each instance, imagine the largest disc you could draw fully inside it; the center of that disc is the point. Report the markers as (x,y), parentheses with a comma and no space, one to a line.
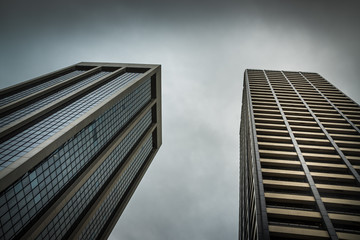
(42,86)
(74,156)
(45,101)
(22,143)
(328,136)
(58,227)
(49,177)
(309,156)
(103,213)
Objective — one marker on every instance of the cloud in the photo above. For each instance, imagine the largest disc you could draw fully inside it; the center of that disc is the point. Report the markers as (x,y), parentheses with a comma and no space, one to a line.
(191,189)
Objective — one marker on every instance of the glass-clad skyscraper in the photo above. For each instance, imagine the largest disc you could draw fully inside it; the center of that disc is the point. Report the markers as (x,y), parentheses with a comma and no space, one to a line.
(74,145)
(299,158)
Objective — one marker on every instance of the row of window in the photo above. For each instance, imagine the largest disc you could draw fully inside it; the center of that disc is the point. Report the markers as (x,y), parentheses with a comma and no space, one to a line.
(108,206)
(61,223)
(64,163)
(314,157)
(49,99)
(57,121)
(40,87)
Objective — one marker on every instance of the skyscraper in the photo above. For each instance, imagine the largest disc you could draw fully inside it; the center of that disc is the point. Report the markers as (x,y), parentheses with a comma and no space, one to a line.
(74,145)
(299,158)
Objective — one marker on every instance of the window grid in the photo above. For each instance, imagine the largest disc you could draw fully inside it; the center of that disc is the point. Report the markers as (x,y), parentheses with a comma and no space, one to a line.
(24,142)
(49,99)
(21,201)
(108,206)
(40,87)
(289,196)
(61,223)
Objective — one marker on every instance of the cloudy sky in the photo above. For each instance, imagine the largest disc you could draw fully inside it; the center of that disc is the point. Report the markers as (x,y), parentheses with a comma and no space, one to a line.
(191,189)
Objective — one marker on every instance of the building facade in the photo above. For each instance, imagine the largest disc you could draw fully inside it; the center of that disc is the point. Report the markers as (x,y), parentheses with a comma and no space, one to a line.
(299,158)
(74,145)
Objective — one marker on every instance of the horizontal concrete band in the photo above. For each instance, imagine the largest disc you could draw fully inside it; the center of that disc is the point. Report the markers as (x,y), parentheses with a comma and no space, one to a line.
(324,130)
(302,185)
(347,99)
(294,214)
(320,205)
(273,162)
(304,199)
(306,233)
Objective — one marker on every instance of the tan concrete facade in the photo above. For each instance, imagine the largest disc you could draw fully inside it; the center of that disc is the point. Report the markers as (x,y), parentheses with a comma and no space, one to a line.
(299,158)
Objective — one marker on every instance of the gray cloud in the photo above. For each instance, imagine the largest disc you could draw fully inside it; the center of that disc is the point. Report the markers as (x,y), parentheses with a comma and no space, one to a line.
(191,189)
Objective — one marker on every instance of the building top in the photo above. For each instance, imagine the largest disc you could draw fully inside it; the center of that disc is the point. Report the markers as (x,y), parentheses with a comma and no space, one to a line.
(299,158)
(74,145)
(39,115)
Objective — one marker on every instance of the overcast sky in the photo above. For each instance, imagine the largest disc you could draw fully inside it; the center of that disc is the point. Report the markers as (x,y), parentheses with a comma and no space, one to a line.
(191,189)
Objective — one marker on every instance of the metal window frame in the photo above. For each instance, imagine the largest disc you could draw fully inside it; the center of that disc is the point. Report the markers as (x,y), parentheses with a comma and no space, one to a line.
(71,190)
(332,104)
(18,168)
(262,219)
(148,72)
(328,136)
(320,205)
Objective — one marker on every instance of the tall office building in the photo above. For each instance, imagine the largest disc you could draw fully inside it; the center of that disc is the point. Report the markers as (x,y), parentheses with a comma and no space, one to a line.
(299,158)
(74,145)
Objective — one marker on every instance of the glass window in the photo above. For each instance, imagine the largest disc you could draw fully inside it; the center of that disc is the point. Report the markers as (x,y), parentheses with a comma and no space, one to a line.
(18,187)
